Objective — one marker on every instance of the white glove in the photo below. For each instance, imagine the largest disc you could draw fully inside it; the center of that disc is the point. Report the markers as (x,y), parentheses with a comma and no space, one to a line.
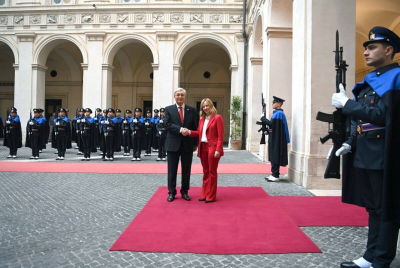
(135,120)
(31,123)
(78,121)
(107,122)
(329,154)
(58,123)
(83,120)
(161,121)
(343,150)
(125,121)
(8,122)
(339,99)
(159,132)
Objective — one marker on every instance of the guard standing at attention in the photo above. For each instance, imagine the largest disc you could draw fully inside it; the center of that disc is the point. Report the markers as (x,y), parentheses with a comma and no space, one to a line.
(13,133)
(97,119)
(62,134)
(148,132)
(35,130)
(161,136)
(374,142)
(126,132)
(278,139)
(136,133)
(111,134)
(87,128)
(155,143)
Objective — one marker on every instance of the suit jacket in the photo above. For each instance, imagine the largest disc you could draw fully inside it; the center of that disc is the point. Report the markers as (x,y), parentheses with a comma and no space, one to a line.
(214,133)
(173,124)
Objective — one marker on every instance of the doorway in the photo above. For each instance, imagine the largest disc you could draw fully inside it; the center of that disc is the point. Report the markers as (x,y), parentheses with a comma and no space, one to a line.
(147,105)
(52,106)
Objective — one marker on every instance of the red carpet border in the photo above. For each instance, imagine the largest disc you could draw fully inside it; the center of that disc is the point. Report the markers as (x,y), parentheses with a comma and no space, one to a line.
(322,211)
(127,168)
(244,220)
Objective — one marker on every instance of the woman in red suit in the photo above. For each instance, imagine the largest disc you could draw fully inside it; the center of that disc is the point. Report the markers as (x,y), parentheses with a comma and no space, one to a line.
(211,137)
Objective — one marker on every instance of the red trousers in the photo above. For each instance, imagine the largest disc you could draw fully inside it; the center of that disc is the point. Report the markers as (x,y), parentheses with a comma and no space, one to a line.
(210,177)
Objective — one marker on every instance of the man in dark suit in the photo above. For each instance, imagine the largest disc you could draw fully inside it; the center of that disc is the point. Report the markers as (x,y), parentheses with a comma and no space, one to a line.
(177,117)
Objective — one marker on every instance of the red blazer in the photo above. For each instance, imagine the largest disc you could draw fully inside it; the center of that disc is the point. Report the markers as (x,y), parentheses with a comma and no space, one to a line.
(214,132)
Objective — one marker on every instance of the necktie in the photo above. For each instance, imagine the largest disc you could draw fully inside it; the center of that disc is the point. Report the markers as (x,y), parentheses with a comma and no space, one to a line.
(181,113)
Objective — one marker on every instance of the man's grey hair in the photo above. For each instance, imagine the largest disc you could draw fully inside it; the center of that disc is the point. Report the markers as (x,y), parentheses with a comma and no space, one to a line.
(179,89)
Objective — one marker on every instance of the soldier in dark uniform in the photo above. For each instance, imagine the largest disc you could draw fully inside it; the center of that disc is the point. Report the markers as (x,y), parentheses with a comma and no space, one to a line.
(102,136)
(97,119)
(137,132)
(278,139)
(161,136)
(1,127)
(87,128)
(126,132)
(76,135)
(156,140)
(46,131)
(13,133)
(62,134)
(374,143)
(35,130)
(148,132)
(111,134)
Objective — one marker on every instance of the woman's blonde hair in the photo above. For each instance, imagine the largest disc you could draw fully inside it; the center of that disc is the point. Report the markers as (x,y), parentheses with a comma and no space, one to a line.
(212,108)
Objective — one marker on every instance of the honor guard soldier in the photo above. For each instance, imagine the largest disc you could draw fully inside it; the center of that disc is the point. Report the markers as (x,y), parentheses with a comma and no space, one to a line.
(62,134)
(35,130)
(13,133)
(148,131)
(76,135)
(46,130)
(97,119)
(120,118)
(161,136)
(278,138)
(373,148)
(87,128)
(126,132)
(111,134)
(137,132)
(102,136)
(156,141)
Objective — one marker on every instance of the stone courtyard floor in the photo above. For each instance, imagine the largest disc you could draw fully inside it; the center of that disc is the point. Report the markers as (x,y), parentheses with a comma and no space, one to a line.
(71,220)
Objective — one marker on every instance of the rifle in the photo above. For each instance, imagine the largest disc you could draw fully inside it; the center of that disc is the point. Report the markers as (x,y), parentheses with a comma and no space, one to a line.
(338,131)
(264,128)
(7,128)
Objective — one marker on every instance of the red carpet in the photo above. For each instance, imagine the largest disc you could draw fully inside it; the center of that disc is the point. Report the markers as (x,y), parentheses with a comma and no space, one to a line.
(244,220)
(127,168)
(322,211)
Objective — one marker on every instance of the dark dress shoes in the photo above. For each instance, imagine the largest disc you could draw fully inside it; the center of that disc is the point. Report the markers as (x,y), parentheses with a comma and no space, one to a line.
(202,199)
(209,201)
(186,197)
(349,265)
(171,198)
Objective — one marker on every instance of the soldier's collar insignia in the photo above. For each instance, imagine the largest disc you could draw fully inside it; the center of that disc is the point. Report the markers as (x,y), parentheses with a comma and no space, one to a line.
(371,36)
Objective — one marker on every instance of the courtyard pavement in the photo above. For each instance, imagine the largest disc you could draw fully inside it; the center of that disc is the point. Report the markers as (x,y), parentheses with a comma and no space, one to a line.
(71,220)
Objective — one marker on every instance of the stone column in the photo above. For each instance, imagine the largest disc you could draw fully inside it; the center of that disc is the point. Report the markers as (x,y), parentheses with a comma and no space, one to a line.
(164,76)
(38,85)
(314,82)
(106,90)
(92,75)
(23,76)
(254,107)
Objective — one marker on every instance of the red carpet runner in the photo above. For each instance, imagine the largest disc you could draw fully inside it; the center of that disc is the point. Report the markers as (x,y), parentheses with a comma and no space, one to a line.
(322,211)
(127,168)
(244,220)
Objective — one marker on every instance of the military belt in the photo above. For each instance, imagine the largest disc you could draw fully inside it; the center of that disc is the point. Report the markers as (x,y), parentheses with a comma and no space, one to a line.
(367,127)
(35,129)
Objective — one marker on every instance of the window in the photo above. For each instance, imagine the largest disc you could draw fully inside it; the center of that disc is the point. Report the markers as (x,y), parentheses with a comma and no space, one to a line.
(63,2)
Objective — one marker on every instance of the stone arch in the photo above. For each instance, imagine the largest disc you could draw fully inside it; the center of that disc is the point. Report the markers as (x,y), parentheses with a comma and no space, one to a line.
(279,13)
(45,46)
(13,46)
(257,50)
(119,41)
(195,39)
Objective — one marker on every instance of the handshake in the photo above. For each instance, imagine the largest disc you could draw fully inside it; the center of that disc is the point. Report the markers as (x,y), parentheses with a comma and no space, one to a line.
(185,132)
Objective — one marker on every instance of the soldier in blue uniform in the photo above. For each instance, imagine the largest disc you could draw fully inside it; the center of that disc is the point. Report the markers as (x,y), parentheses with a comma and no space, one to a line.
(374,143)
(13,133)
(137,132)
(148,132)
(278,139)
(87,127)
(111,134)
(35,130)
(156,140)
(62,134)
(97,119)
(126,132)
(161,136)
(76,135)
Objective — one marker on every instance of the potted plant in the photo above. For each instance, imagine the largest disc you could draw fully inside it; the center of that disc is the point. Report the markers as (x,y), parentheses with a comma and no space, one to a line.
(236,122)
